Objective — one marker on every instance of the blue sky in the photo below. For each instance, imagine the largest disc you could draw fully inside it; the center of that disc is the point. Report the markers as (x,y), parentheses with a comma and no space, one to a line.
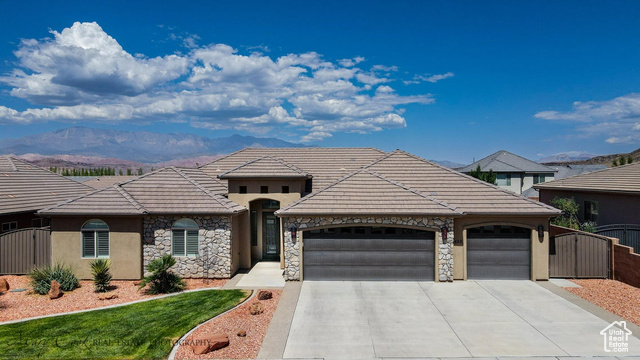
(442,79)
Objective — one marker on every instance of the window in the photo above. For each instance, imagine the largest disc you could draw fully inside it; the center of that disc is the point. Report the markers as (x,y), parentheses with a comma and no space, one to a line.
(254,228)
(538,178)
(184,240)
(285,189)
(591,211)
(504,179)
(271,204)
(242,189)
(264,189)
(8,226)
(95,239)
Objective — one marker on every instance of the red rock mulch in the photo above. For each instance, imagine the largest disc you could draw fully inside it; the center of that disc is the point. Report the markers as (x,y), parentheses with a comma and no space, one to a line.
(230,324)
(611,295)
(20,305)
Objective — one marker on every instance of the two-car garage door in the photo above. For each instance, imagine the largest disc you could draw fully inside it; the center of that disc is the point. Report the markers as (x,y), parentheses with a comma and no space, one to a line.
(368,253)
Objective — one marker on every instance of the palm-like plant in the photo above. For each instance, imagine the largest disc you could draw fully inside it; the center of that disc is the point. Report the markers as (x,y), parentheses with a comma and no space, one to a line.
(161,280)
(101,271)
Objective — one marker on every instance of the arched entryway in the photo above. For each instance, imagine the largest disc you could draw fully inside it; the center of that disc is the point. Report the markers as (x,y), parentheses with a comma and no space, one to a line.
(265,230)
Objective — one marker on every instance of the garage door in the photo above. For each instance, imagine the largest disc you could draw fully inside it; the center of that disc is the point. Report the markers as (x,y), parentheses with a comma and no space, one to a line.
(368,253)
(499,252)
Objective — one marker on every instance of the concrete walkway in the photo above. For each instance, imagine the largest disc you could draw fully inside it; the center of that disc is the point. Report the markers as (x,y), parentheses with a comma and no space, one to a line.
(493,319)
(263,275)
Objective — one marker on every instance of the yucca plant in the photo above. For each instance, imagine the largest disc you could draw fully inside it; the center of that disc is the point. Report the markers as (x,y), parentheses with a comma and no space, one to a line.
(161,280)
(42,276)
(101,271)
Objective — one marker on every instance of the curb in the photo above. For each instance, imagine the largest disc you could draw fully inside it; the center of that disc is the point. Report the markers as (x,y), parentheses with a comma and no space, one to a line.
(106,307)
(174,350)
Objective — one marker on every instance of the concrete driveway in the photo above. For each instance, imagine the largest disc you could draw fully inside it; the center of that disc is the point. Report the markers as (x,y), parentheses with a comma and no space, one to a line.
(365,320)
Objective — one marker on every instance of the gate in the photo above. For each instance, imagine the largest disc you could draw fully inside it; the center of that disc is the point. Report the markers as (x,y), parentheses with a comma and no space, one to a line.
(629,234)
(21,250)
(579,255)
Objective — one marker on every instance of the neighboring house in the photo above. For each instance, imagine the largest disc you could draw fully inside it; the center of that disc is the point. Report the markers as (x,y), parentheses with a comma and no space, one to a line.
(563,172)
(26,188)
(609,196)
(514,173)
(323,213)
(101,182)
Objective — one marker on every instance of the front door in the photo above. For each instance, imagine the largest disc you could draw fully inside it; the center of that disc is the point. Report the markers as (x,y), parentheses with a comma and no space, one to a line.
(270,237)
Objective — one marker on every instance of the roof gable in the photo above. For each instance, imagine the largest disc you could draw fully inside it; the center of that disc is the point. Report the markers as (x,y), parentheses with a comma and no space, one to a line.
(265,167)
(620,179)
(368,193)
(504,161)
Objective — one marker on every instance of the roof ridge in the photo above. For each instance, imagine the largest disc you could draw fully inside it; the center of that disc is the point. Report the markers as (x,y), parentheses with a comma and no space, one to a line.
(130,198)
(290,166)
(220,158)
(13,165)
(69,201)
(202,188)
(529,160)
(476,180)
(557,181)
(410,189)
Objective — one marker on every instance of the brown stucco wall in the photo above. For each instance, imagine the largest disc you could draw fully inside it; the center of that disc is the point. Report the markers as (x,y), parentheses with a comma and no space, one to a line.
(125,243)
(539,250)
(627,265)
(612,208)
(275,186)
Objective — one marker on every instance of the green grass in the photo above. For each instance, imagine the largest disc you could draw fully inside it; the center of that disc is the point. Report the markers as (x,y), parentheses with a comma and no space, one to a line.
(144,330)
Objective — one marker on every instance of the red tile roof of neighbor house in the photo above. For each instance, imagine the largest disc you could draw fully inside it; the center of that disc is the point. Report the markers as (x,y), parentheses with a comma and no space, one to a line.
(619,179)
(170,190)
(26,187)
(265,167)
(459,193)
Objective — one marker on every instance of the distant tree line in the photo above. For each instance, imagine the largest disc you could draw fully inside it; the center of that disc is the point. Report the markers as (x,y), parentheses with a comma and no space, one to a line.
(101,171)
(622,161)
(487,176)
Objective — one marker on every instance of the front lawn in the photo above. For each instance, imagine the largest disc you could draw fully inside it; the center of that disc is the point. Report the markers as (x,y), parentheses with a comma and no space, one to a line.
(144,330)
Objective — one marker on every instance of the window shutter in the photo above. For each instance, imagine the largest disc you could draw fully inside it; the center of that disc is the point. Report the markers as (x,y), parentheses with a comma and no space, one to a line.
(178,243)
(103,243)
(88,244)
(192,242)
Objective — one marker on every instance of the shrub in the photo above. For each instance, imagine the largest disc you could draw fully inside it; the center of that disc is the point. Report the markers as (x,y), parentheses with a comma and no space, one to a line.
(100,269)
(161,280)
(588,226)
(569,216)
(41,278)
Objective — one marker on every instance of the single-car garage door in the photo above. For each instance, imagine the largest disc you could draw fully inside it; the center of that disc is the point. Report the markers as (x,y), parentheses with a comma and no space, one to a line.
(368,253)
(498,252)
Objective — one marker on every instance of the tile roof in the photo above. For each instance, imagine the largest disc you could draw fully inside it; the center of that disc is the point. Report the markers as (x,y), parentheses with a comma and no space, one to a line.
(368,193)
(457,191)
(26,187)
(504,161)
(325,164)
(265,167)
(620,179)
(102,182)
(170,190)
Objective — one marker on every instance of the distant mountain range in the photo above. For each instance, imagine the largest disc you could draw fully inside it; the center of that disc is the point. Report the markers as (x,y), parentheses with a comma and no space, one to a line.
(138,146)
(596,160)
(567,157)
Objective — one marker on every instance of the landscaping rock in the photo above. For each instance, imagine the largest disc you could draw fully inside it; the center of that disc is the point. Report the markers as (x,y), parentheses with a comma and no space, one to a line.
(4,285)
(256,308)
(137,283)
(55,291)
(265,295)
(107,296)
(208,343)
(242,333)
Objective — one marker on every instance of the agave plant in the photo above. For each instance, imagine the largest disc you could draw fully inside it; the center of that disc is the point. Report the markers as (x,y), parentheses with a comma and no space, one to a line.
(161,280)
(42,276)
(101,271)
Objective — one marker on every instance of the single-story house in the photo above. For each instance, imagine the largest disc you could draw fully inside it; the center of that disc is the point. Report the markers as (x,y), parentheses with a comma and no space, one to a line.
(323,213)
(514,173)
(26,188)
(564,171)
(609,196)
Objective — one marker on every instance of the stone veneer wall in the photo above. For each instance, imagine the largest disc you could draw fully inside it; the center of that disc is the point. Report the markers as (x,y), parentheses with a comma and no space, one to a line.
(215,241)
(292,250)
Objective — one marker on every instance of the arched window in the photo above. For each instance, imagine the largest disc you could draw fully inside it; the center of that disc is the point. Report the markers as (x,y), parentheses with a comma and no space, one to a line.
(184,240)
(95,239)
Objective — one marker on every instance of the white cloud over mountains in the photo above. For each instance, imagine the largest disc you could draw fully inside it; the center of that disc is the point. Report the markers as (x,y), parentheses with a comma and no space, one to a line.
(83,74)
(618,119)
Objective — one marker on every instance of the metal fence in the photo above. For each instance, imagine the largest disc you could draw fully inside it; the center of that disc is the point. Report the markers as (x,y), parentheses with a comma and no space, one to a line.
(579,255)
(21,250)
(629,234)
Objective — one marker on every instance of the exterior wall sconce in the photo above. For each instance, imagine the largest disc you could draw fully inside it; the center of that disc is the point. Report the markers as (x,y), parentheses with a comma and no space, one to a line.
(541,233)
(444,234)
(294,232)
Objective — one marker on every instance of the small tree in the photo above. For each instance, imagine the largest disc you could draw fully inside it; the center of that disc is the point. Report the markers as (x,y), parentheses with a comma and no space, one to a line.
(615,162)
(487,176)
(629,159)
(101,271)
(623,160)
(569,216)
(161,280)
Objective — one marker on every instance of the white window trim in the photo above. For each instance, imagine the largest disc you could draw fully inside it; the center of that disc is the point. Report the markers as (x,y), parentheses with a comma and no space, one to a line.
(184,230)
(95,242)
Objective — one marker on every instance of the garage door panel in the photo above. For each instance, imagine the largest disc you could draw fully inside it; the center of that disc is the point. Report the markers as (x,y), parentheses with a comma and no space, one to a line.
(357,244)
(368,273)
(499,257)
(387,258)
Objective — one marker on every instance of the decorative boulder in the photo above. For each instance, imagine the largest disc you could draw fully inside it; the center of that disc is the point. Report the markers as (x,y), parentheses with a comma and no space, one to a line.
(242,333)
(208,343)
(4,285)
(265,295)
(256,308)
(55,291)
(107,296)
